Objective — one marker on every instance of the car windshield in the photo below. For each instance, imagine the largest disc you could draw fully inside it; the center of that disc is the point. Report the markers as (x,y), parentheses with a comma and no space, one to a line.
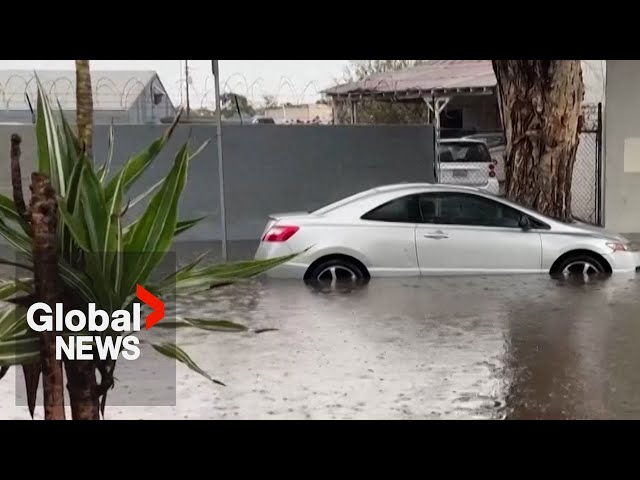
(464,152)
(492,140)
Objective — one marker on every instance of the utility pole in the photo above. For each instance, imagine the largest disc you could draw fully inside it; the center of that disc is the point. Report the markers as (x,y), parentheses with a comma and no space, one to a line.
(186,74)
(216,76)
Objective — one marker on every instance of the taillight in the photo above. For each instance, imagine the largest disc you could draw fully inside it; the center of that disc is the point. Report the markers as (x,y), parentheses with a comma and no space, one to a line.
(280,233)
(492,168)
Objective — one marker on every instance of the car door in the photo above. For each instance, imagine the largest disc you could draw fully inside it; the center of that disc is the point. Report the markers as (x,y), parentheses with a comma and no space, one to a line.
(468,233)
(386,237)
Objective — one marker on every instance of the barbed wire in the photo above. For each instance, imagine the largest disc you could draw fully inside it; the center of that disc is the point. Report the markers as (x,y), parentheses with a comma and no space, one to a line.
(116,94)
(107,92)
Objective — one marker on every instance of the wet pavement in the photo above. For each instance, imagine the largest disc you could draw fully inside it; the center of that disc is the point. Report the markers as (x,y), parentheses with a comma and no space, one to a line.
(522,347)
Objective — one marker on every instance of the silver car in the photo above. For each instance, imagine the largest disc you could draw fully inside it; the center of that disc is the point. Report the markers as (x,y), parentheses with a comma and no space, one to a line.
(435,229)
(469,163)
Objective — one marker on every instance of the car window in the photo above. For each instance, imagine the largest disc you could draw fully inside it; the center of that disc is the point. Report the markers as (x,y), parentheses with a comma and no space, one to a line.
(464,209)
(464,152)
(490,140)
(428,208)
(404,209)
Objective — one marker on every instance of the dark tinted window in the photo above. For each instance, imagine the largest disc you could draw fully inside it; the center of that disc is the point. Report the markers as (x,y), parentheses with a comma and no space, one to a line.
(461,209)
(404,209)
(429,206)
(492,140)
(464,152)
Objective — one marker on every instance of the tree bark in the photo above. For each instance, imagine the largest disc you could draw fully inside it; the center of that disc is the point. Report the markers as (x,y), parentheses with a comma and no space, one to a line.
(81,374)
(83,389)
(43,213)
(84,105)
(31,371)
(540,104)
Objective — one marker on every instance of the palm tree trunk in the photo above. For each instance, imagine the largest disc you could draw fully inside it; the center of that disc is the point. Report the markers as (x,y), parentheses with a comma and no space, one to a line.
(43,213)
(84,105)
(81,374)
(31,371)
(540,104)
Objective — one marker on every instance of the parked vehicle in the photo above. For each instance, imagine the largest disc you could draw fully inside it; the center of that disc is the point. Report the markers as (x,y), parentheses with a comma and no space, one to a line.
(496,143)
(434,229)
(469,163)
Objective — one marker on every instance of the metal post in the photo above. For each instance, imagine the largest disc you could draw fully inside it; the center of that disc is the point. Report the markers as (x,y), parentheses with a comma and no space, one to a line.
(599,176)
(436,105)
(186,74)
(223,220)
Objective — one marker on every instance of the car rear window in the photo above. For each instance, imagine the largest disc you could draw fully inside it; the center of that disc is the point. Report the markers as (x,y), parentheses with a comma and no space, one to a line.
(464,152)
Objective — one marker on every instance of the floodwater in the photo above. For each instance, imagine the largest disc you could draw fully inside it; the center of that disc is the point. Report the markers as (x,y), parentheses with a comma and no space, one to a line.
(508,347)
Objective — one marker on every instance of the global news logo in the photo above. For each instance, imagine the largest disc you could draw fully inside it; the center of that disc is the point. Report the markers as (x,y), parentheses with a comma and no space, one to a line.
(41,318)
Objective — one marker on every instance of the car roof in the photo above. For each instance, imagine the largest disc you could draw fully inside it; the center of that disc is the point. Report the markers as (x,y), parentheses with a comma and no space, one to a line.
(396,189)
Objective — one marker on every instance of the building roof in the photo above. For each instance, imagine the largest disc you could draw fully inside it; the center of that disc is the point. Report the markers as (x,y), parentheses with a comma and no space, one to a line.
(433,77)
(112,89)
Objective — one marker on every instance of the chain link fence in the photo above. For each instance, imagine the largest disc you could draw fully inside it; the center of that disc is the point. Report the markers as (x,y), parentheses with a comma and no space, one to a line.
(462,162)
(585,185)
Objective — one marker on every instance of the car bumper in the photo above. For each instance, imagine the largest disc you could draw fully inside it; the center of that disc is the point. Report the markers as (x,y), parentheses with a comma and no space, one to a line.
(624,261)
(294,270)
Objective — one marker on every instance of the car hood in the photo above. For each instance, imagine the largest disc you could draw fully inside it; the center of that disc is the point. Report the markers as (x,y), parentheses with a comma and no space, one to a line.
(598,231)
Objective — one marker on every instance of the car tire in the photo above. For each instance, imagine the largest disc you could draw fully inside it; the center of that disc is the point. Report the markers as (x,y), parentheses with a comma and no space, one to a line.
(580,265)
(336,270)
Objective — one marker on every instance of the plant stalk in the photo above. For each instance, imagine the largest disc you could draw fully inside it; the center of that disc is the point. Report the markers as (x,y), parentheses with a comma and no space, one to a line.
(43,213)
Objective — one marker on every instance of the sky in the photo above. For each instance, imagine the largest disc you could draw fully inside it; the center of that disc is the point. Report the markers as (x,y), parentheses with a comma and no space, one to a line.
(295,81)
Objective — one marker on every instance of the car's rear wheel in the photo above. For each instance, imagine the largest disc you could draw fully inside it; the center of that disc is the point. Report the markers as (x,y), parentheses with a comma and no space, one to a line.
(336,271)
(585,265)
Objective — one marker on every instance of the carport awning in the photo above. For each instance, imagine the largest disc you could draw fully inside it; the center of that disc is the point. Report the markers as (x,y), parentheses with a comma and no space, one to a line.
(434,78)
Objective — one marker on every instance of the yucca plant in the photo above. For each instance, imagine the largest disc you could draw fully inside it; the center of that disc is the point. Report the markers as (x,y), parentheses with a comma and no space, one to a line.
(100,259)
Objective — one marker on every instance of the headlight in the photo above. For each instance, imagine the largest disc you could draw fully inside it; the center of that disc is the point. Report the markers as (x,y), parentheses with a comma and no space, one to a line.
(619,247)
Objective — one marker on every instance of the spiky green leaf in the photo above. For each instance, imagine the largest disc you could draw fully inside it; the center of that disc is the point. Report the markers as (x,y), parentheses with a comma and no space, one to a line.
(173,351)
(152,235)
(184,225)
(9,288)
(104,170)
(52,161)
(137,164)
(210,325)
(19,350)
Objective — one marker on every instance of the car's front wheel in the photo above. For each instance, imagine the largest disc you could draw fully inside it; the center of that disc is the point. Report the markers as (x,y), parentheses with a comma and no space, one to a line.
(580,265)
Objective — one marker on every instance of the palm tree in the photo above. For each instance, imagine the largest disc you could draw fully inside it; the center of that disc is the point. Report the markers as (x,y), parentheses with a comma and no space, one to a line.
(84,105)
(78,250)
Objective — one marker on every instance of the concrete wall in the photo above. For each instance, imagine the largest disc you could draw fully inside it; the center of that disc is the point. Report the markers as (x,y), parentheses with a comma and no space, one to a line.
(268,168)
(621,121)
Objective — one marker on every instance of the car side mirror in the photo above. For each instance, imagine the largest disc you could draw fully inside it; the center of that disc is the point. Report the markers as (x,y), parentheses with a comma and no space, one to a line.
(524,222)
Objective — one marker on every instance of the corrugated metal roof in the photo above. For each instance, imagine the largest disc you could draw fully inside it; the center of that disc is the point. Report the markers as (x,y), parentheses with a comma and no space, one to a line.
(112,89)
(432,75)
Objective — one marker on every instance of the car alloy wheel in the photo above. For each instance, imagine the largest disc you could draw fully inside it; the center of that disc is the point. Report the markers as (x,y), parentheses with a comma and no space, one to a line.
(336,274)
(582,267)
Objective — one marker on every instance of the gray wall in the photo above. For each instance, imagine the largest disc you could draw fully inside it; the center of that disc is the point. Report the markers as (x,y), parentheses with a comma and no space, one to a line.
(268,168)
(622,121)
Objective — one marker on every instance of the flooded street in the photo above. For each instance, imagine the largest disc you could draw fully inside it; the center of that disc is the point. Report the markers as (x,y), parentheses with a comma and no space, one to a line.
(525,347)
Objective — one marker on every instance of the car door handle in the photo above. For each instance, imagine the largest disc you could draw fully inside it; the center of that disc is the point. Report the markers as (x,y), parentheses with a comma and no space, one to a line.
(436,235)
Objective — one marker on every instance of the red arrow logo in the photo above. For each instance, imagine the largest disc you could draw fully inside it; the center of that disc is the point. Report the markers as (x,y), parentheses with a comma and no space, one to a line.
(154,302)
